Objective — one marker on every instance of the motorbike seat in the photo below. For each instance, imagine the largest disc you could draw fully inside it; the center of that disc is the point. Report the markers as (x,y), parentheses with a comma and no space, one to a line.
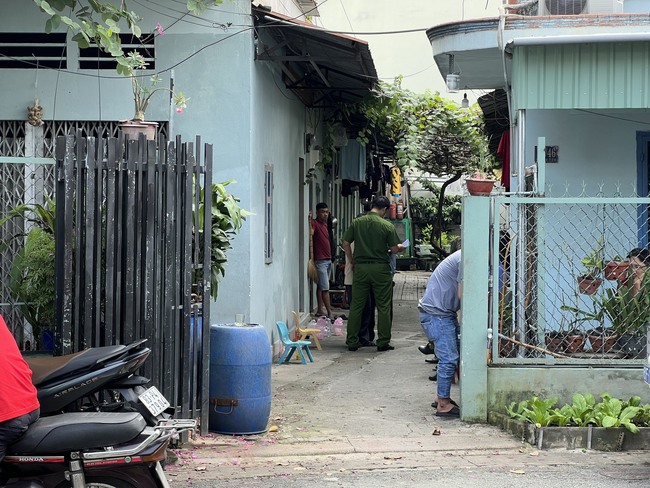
(46,368)
(77,431)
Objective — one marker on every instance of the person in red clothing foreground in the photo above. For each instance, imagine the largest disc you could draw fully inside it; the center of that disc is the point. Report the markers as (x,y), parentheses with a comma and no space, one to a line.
(19,407)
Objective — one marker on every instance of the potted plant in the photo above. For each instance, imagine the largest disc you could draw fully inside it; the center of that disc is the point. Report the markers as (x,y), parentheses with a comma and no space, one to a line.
(616,268)
(133,66)
(481,182)
(590,280)
(32,275)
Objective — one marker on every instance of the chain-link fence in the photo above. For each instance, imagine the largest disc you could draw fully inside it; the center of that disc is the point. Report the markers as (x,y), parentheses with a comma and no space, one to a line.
(571,281)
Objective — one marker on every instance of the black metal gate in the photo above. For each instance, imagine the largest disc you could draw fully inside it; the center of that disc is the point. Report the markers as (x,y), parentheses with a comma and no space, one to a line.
(127,256)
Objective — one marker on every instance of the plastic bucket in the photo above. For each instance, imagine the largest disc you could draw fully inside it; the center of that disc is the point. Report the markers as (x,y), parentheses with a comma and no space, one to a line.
(240,379)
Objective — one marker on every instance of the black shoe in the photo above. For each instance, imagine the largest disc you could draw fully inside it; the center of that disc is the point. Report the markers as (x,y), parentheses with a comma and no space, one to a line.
(427,348)
(387,347)
(352,349)
(433,360)
(433,377)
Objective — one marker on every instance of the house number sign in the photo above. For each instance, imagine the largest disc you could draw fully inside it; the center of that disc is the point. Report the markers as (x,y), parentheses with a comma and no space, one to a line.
(551,153)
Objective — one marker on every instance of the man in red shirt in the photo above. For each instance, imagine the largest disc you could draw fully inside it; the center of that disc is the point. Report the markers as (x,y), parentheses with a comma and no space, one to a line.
(19,406)
(322,258)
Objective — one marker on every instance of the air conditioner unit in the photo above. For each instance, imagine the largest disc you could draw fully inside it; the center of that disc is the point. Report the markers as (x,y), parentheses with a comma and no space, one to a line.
(577,7)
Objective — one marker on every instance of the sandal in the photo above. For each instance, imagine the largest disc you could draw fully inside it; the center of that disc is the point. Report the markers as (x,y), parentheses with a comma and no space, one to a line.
(454,412)
(435,404)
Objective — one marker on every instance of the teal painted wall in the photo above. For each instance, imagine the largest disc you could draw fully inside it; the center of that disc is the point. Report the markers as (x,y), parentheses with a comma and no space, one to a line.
(237,104)
(596,75)
(486,388)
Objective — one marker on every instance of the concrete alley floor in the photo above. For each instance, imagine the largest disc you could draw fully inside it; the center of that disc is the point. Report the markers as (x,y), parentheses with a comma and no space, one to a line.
(365,419)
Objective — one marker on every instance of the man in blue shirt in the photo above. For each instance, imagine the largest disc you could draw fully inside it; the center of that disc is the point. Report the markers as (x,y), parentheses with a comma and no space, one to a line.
(438,317)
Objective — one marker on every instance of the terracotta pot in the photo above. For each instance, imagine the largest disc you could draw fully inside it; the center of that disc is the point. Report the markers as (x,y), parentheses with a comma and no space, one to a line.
(555,342)
(602,343)
(615,270)
(133,128)
(479,187)
(575,343)
(588,286)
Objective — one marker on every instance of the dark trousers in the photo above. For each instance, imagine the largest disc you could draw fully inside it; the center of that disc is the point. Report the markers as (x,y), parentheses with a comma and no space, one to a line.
(367,330)
(375,278)
(11,430)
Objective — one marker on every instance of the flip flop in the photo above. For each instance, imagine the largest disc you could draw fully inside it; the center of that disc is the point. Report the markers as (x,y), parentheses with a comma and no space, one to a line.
(454,412)
(435,404)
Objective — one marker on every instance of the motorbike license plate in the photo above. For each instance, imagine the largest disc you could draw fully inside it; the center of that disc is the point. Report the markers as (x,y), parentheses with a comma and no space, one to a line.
(155,402)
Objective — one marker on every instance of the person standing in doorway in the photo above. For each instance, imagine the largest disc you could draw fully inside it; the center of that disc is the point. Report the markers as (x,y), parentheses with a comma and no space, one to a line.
(438,317)
(322,259)
(372,236)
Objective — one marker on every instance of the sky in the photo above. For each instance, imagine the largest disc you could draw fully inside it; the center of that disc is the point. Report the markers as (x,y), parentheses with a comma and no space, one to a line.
(407,54)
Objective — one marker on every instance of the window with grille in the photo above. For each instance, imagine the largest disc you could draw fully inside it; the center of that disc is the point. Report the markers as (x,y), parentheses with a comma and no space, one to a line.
(30,50)
(94,58)
(268,214)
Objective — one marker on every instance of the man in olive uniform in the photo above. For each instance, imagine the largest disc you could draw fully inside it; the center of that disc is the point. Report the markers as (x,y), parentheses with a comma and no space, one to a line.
(373,237)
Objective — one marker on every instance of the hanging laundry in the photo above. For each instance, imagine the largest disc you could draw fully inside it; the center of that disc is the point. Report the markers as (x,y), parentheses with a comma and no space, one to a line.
(353,161)
(503,151)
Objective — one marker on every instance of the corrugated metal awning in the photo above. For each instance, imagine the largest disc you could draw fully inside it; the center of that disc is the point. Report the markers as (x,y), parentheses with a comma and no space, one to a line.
(320,67)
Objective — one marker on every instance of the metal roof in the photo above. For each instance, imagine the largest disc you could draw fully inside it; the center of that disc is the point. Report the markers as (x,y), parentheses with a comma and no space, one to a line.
(320,67)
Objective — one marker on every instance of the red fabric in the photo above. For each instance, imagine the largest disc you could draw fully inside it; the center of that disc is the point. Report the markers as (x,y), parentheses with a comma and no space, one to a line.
(17,394)
(503,152)
(321,238)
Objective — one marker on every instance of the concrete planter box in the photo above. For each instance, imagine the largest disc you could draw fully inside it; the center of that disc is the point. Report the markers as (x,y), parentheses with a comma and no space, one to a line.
(596,438)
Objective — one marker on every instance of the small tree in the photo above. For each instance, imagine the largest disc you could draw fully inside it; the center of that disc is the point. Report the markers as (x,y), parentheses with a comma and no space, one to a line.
(430,133)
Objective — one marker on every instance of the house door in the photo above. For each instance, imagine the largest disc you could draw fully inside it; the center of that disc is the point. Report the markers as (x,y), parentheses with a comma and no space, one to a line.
(643,184)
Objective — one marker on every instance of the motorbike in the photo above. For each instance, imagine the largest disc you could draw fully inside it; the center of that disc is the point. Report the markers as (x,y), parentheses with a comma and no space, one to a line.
(88,450)
(100,379)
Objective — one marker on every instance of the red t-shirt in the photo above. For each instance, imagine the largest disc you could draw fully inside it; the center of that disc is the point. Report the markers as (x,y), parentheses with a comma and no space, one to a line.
(321,240)
(17,394)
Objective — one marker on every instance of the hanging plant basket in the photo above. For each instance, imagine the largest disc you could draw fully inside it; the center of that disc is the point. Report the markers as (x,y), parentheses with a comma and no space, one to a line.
(479,187)
(588,285)
(615,270)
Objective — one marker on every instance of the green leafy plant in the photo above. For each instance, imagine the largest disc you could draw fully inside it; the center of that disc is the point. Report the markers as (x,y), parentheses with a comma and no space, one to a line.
(536,410)
(32,276)
(594,262)
(98,22)
(227,218)
(611,412)
(582,409)
(627,313)
(132,66)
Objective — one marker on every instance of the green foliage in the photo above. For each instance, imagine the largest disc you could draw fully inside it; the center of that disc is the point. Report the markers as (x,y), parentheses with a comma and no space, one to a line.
(429,132)
(33,277)
(227,218)
(627,313)
(594,261)
(98,22)
(611,413)
(536,410)
(131,66)
(583,411)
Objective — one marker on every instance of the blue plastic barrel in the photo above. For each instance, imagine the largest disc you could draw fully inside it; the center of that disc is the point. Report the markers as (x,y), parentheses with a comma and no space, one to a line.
(240,379)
